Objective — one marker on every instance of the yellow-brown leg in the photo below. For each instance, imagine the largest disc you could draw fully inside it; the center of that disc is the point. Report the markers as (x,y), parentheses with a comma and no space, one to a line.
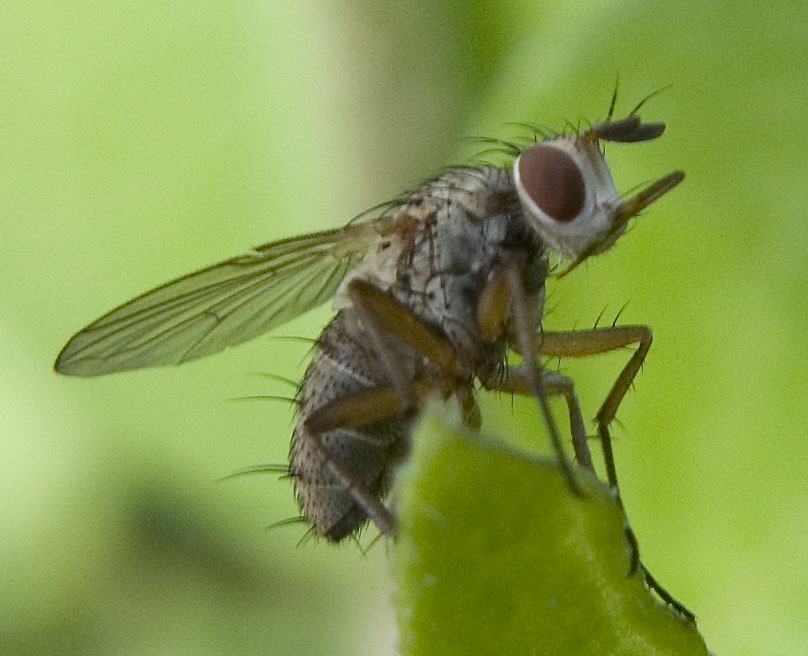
(578,343)
(374,404)
(384,316)
(504,302)
(516,382)
(387,315)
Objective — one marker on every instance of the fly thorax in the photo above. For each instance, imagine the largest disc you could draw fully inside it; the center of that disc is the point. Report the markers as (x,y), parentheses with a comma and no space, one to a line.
(448,273)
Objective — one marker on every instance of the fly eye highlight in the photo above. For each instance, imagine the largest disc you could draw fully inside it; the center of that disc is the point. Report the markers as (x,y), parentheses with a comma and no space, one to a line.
(553,181)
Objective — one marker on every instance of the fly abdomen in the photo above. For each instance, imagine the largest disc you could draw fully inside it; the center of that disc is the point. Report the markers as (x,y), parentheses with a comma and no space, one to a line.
(344,364)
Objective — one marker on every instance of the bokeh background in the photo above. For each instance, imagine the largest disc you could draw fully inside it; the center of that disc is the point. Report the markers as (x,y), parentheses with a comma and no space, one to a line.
(142,140)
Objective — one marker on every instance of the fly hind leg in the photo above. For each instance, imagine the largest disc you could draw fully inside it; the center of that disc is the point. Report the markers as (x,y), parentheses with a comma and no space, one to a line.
(398,339)
(356,410)
(384,316)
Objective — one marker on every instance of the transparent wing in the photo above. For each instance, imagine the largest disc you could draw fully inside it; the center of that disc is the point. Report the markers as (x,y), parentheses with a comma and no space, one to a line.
(222,305)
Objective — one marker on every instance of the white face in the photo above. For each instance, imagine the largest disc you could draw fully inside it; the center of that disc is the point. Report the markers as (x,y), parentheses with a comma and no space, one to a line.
(567,192)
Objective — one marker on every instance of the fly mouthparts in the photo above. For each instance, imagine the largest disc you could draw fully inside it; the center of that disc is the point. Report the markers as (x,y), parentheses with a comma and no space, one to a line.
(637,203)
(630,208)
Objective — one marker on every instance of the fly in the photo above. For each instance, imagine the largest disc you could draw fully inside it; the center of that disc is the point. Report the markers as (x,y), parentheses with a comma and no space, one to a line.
(430,295)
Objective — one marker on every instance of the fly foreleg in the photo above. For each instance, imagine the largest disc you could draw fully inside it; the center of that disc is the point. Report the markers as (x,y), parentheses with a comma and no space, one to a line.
(585,343)
(504,305)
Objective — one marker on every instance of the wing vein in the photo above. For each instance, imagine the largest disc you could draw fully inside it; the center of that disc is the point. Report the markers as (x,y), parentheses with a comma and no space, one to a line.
(221,305)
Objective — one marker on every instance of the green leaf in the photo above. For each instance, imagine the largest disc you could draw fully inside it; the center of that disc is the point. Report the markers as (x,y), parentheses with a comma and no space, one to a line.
(495,556)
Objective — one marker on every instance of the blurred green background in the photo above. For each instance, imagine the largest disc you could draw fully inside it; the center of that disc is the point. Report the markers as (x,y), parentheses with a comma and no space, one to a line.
(142,140)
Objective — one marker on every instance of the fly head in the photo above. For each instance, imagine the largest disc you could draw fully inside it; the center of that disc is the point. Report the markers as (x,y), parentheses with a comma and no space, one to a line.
(567,193)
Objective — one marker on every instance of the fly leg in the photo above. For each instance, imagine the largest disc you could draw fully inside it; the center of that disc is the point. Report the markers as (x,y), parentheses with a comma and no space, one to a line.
(386,322)
(385,316)
(363,407)
(577,343)
(504,305)
(517,382)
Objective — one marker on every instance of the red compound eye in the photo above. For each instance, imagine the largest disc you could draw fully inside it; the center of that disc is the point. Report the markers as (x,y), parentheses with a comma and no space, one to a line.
(553,181)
